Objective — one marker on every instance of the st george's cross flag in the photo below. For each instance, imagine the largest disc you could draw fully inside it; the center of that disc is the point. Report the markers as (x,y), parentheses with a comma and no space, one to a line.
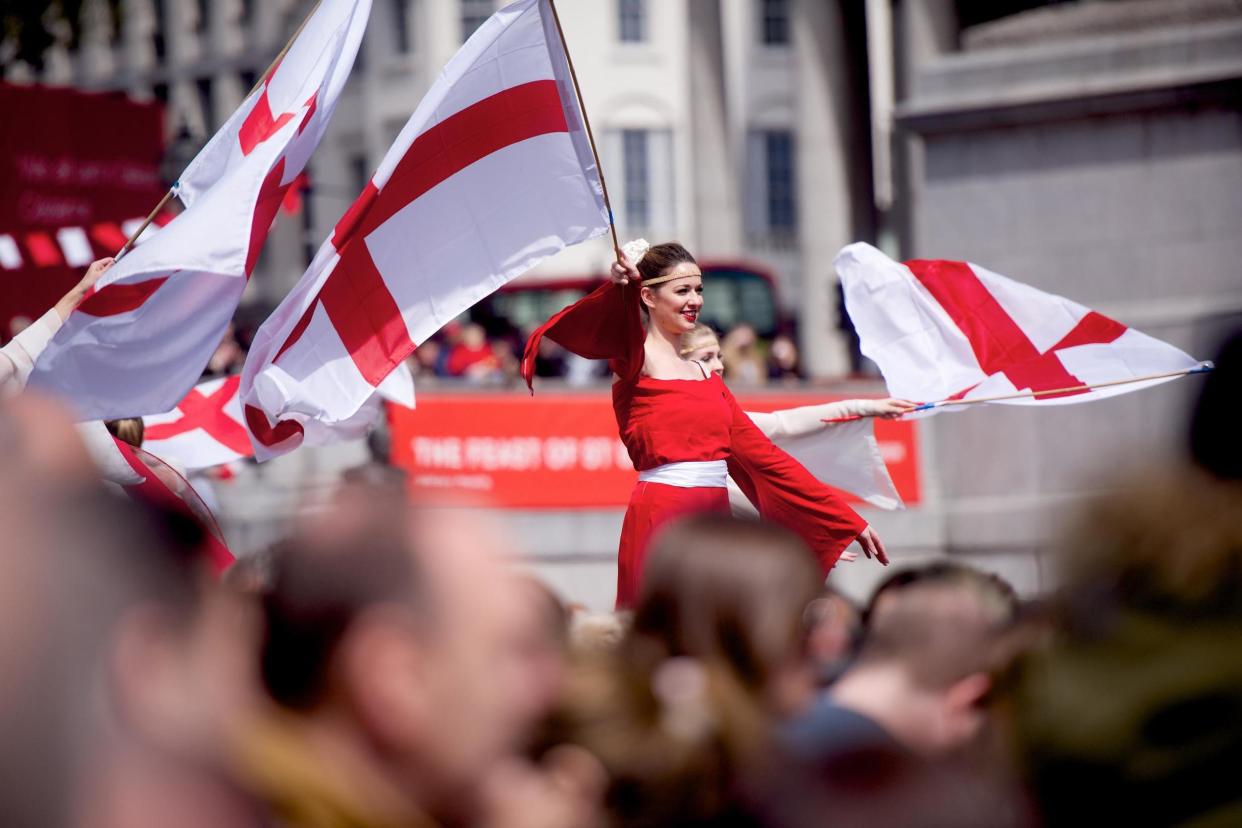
(944,330)
(148,479)
(204,430)
(139,342)
(492,174)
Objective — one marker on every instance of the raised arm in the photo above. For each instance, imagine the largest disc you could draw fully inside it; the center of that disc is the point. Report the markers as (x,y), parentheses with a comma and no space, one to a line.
(605,324)
(18,358)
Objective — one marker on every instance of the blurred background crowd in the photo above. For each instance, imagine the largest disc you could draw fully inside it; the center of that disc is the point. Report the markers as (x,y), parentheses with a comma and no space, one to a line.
(394,663)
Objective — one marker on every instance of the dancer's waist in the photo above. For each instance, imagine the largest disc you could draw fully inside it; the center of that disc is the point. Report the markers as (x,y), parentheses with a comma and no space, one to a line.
(690,474)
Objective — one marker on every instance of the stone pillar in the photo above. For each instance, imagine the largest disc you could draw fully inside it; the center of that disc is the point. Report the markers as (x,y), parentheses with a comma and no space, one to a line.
(823,185)
(716,184)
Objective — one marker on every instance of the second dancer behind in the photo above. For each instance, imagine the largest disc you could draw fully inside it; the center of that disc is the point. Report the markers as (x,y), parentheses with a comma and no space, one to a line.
(683,429)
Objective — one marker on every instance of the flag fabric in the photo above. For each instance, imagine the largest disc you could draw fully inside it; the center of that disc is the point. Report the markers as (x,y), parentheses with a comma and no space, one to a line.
(492,174)
(204,430)
(139,342)
(943,330)
(145,478)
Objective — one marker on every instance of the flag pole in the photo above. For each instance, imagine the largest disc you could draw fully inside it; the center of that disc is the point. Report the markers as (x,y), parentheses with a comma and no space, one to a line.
(573,75)
(133,237)
(1201,368)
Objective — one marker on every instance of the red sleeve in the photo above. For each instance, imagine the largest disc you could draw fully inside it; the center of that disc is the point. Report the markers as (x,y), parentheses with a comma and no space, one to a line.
(606,324)
(786,493)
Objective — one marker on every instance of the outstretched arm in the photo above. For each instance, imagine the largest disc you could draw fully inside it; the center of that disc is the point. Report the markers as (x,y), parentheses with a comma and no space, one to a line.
(809,419)
(786,493)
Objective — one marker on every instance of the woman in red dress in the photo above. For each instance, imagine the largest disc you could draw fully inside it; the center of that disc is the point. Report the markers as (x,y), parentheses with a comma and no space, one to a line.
(684,431)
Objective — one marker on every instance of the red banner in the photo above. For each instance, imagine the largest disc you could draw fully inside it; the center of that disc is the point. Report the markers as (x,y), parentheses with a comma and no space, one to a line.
(76,169)
(561,450)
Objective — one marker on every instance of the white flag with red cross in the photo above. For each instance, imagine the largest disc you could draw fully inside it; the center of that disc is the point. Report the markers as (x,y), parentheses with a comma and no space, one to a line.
(492,174)
(943,330)
(149,479)
(204,430)
(139,342)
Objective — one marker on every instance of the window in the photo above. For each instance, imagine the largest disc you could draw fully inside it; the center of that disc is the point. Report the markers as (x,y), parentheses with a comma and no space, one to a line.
(360,171)
(473,14)
(202,18)
(631,20)
(158,43)
(641,160)
(206,103)
(774,22)
(401,26)
(637,176)
(772,213)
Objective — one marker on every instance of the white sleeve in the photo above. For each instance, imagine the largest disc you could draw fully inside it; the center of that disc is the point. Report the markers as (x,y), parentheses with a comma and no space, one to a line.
(20,355)
(806,419)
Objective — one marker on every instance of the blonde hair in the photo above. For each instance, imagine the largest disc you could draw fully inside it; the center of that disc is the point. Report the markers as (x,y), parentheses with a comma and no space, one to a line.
(695,338)
(127,430)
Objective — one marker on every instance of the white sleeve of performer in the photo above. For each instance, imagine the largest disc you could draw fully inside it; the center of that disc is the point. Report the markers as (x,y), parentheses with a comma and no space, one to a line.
(808,419)
(17,359)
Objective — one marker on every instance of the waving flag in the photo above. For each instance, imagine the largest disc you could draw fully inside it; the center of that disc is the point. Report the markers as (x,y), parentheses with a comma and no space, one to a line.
(146,478)
(953,330)
(140,341)
(492,174)
(204,430)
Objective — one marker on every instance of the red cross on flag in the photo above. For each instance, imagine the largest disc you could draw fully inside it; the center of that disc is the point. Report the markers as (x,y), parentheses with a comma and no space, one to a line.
(140,341)
(204,430)
(942,330)
(492,174)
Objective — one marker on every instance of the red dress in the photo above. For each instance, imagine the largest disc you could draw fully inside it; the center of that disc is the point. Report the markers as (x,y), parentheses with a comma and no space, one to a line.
(670,421)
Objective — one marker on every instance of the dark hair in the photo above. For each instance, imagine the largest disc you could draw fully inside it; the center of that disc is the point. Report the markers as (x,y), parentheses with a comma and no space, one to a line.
(660,258)
(322,580)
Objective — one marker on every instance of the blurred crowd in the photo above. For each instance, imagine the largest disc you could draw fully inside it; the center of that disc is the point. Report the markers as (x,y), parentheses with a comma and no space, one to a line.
(391,663)
(467,351)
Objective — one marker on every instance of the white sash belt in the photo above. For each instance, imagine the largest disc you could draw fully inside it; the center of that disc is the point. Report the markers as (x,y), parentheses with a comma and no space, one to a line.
(691,474)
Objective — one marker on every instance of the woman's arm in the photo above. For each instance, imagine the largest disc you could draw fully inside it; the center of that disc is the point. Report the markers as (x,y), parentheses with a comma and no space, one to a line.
(809,419)
(786,493)
(606,324)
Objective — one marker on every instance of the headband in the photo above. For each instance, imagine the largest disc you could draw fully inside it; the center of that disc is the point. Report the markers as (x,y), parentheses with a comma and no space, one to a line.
(635,250)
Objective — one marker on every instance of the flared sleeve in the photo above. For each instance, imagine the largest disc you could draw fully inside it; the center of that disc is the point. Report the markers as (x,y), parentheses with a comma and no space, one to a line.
(785,492)
(605,324)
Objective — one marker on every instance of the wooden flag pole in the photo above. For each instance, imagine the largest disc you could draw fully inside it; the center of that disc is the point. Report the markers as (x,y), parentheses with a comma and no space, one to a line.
(1202,368)
(133,238)
(616,245)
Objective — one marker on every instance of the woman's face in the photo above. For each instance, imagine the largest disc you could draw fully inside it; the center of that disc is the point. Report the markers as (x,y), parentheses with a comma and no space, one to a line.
(674,306)
(708,353)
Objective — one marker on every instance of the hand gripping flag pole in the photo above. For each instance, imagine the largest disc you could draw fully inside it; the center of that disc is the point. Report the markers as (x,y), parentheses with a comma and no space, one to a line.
(172,191)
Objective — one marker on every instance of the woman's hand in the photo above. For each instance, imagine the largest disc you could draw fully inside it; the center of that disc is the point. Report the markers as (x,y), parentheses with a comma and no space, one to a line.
(872,546)
(623,271)
(890,408)
(75,296)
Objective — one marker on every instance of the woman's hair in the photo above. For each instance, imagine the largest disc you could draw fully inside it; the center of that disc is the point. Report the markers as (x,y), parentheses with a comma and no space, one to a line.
(680,713)
(696,338)
(660,258)
(128,430)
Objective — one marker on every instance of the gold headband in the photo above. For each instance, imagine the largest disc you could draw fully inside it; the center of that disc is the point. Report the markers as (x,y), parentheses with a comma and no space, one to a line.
(668,277)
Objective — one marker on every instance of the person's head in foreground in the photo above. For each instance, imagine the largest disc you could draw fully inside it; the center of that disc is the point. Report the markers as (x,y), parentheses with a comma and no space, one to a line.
(681,713)
(398,643)
(1133,712)
(932,638)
